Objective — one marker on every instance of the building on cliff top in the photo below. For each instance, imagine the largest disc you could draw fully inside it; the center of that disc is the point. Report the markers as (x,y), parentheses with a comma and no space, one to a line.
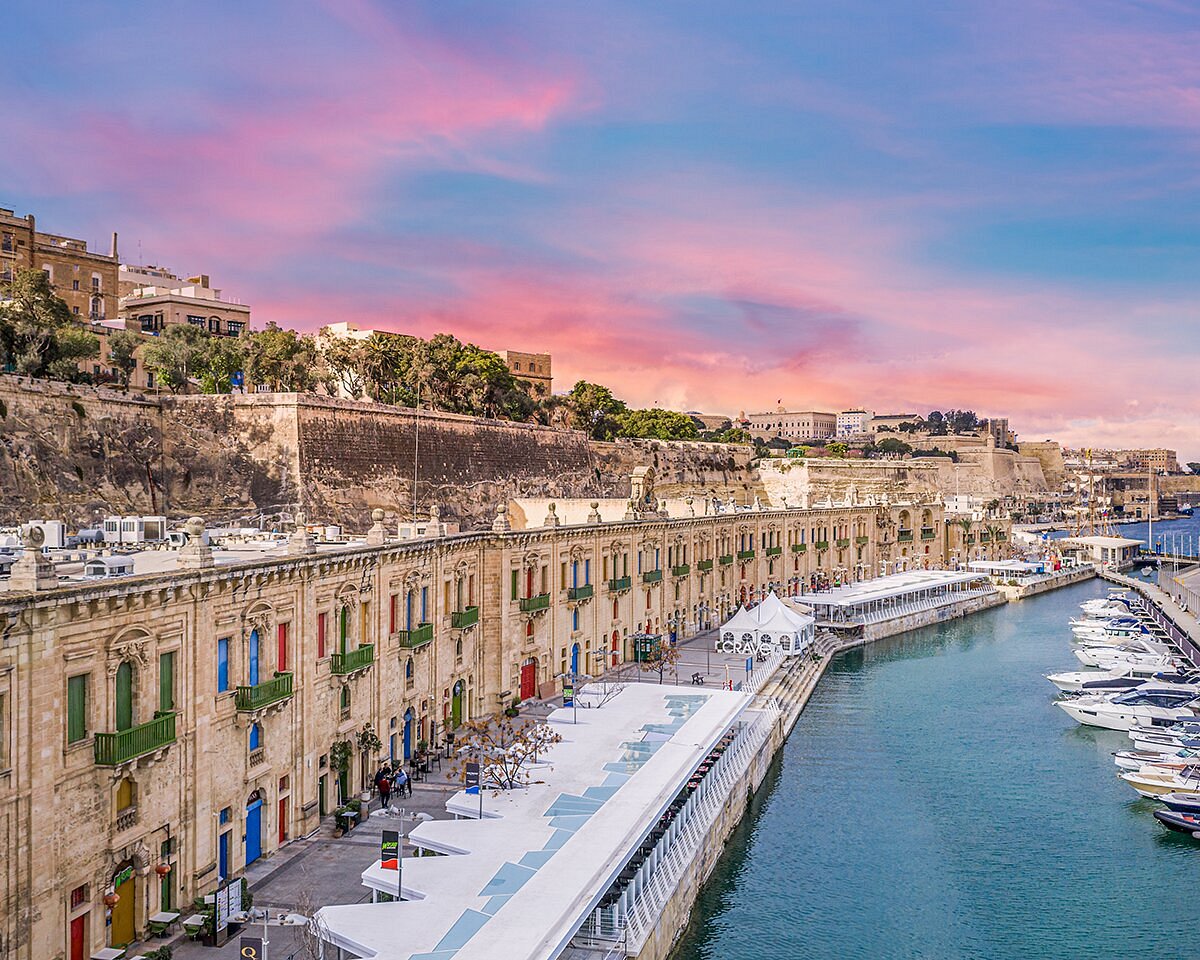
(85,279)
(791,425)
(151,309)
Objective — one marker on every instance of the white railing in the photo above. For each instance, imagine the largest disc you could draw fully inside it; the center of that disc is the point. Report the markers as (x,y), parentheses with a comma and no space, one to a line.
(763,672)
(645,911)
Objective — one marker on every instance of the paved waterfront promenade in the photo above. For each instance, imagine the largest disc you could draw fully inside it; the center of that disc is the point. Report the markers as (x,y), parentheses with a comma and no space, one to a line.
(1187,627)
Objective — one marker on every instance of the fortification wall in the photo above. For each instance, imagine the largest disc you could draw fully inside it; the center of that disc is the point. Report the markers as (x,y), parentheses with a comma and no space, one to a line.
(79,453)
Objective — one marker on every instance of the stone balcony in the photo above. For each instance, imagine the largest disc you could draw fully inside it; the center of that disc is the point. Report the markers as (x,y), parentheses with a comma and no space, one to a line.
(618,584)
(652,576)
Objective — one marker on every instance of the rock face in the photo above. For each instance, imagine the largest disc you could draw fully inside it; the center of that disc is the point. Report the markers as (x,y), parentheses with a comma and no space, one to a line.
(78,454)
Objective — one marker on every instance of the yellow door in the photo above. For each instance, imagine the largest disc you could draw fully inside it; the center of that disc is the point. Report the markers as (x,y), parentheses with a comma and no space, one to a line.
(121,931)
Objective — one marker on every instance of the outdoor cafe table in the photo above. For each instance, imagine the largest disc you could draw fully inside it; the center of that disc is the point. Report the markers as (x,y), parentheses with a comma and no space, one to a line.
(161,921)
(109,953)
(194,924)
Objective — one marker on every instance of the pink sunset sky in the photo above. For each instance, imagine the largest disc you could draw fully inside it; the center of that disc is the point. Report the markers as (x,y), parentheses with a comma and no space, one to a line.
(711,207)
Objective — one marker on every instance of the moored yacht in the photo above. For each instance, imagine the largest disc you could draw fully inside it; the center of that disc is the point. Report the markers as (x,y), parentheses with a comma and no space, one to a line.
(1154,781)
(1115,681)
(1114,658)
(1148,703)
(1136,759)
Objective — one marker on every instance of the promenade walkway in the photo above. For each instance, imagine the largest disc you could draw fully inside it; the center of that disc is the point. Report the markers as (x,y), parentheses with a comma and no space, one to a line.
(1182,626)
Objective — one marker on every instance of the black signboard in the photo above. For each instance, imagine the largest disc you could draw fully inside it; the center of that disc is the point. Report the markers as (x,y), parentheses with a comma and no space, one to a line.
(472,777)
(389,850)
(251,948)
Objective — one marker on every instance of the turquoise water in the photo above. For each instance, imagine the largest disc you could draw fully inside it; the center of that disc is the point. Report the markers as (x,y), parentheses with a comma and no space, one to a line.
(933,803)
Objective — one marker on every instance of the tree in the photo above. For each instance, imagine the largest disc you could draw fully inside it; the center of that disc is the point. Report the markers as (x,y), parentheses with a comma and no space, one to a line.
(122,349)
(837,449)
(218,362)
(594,410)
(39,337)
(282,359)
(503,747)
(662,659)
(176,355)
(890,445)
(656,424)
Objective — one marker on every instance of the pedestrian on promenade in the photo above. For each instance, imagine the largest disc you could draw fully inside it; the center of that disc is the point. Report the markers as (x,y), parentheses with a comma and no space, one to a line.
(385,790)
(380,774)
(403,783)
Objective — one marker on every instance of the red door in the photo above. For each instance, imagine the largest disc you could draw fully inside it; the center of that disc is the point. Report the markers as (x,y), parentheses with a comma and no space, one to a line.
(78,936)
(528,679)
(283,819)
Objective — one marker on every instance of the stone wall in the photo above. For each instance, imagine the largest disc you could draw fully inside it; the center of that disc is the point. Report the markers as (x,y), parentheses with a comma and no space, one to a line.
(79,453)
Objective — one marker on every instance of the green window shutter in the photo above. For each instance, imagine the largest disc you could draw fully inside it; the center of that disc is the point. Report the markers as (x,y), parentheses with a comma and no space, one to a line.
(166,682)
(77,708)
(124,696)
(514,584)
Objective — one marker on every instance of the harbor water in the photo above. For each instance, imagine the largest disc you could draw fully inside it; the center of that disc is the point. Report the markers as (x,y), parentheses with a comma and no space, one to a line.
(932,802)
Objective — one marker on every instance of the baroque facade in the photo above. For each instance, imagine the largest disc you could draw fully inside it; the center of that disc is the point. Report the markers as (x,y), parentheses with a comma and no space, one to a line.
(161,731)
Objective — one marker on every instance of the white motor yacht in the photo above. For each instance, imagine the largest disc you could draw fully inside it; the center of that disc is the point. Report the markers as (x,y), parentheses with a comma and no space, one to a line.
(1166,738)
(1116,658)
(1117,602)
(1116,681)
(1146,704)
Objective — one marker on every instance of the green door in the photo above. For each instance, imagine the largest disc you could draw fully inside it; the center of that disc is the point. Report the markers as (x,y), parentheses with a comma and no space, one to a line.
(124,696)
(456,706)
(343,625)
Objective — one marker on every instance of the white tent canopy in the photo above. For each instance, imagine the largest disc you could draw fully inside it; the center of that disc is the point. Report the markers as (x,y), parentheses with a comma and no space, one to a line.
(772,625)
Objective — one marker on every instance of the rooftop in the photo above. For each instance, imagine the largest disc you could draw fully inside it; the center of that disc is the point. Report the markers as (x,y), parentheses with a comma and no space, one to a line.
(531,872)
(894,585)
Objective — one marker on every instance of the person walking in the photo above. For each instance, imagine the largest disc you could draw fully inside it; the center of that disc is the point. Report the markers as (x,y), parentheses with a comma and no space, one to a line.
(403,783)
(385,790)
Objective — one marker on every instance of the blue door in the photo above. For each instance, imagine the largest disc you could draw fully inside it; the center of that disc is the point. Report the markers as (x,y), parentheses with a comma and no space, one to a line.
(575,660)
(408,718)
(253,831)
(254,658)
(223,855)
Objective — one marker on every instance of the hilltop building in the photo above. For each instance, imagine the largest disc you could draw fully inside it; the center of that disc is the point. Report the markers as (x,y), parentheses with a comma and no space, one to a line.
(791,425)
(84,279)
(854,423)
(151,309)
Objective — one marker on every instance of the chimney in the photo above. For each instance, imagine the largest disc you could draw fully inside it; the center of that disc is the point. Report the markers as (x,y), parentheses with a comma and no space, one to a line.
(114,246)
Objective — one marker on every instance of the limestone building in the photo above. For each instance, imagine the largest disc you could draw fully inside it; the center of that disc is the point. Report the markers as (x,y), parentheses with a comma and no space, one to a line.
(84,279)
(792,425)
(150,309)
(161,730)
(534,367)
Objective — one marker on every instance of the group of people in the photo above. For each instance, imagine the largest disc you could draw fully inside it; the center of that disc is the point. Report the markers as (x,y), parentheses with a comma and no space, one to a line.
(388,780)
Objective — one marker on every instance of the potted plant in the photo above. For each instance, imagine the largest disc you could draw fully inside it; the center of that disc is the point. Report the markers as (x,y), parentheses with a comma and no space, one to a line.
(422,746)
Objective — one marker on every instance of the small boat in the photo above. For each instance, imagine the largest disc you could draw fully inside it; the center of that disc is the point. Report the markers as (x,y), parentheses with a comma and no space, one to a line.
(1188,823)
(1136,759)
(1182,802)
(1148,703)
(1153,782)
(1147,572)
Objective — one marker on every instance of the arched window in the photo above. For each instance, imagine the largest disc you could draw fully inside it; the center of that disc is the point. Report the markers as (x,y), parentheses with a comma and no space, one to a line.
(345,701)
(458,648)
